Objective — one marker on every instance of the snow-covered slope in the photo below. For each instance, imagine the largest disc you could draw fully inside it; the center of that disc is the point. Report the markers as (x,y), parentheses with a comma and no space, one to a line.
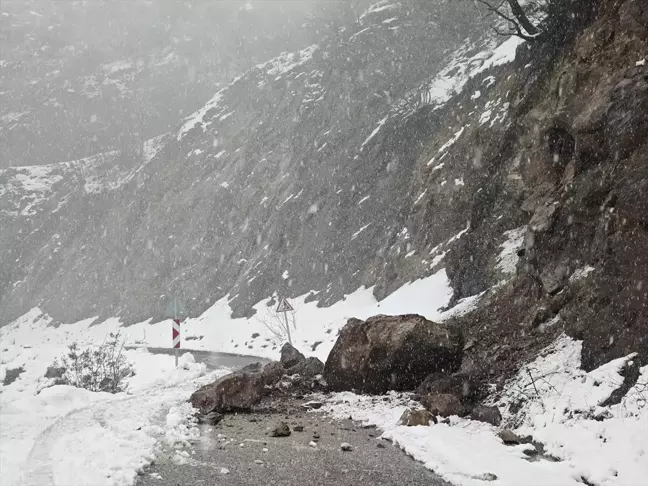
(302,167)
(80,78)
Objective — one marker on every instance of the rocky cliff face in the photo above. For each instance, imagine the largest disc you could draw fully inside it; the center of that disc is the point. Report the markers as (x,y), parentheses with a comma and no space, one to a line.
(381,154)
(566,177)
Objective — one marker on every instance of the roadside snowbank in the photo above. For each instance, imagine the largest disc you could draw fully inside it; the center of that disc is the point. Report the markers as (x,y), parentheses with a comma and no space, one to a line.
(604,446)
(62,435)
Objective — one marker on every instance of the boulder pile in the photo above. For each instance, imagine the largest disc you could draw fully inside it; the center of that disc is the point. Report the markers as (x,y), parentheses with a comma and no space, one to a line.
(242,390)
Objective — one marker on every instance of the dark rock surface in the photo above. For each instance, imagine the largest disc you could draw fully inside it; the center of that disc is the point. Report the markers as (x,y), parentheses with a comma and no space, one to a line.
(484,413)
(391,353)
(414,417)
(272,373)
(465,387)
(54,372)
(509,437)
(290,356)
(443,404)
(308,368)
(236,392)
(281,430)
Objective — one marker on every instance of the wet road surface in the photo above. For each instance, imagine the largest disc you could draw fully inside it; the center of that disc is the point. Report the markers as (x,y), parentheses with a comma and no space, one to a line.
(232,452)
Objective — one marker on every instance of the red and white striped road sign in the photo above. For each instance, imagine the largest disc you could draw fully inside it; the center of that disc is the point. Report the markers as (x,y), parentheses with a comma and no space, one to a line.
(176,333)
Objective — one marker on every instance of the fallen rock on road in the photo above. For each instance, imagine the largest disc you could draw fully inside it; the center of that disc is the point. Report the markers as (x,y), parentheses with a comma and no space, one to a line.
(391,353)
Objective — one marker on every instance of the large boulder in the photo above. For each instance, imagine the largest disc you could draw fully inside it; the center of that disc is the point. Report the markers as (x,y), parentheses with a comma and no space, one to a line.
(237,392)
(309,368)
(391,353)
(272,373)
(290,356)
(443,404)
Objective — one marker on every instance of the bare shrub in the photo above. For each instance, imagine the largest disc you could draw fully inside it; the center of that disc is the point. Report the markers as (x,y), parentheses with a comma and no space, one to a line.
(101,368)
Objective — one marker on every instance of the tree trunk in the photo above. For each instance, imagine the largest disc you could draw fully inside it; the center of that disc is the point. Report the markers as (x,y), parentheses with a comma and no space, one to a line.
(521,16)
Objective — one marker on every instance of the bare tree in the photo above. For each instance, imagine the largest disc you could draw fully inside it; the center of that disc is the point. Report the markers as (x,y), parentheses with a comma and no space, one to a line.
(517,18)
(280,324)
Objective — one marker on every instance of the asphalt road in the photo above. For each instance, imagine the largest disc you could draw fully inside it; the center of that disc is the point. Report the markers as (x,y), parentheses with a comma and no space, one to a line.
(212,359)
(289,461)
(232,452)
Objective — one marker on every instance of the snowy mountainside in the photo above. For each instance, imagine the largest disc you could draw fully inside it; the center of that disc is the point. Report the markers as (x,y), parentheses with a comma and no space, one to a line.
(292,178)
(80,78)
(369,160)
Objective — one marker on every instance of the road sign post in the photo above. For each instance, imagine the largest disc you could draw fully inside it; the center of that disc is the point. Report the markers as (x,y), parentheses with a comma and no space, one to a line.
(176,339)
(175,310)
(285,307)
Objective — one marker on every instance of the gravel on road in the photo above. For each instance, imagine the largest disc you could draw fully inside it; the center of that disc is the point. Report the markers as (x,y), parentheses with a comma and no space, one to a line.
(240,451)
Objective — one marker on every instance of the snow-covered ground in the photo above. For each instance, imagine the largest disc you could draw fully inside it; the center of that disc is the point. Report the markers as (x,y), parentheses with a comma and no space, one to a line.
(106,438)
(61,435)
(51,433)
(560,408)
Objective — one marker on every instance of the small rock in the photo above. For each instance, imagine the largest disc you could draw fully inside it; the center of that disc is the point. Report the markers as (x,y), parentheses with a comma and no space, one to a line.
(487,477)
(224,470)
(298,428)
(241,444)
(313,405)
(380,445)
(508,437)
(265,449)
(530,451)
(312,444)
(346,447)
(490,415)
(369,426)
(54,372)
(281,430)
(212,418)
(258,461)
(412,417)
(316,435)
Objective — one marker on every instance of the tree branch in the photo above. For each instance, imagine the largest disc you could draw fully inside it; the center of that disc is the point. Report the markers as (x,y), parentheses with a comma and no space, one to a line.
(516,23)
